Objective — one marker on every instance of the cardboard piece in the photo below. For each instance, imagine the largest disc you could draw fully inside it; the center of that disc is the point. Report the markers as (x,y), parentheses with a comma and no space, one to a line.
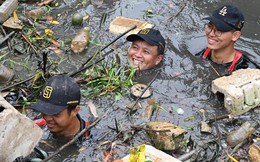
(122,24)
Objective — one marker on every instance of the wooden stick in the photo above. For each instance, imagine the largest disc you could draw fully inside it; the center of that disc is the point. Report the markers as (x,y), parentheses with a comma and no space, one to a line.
(8,43)
(25,38)
(182,7)
(7,37)
(214,69)
(29,78)
(84,66)
(138,128)
(132,28)
(157,114)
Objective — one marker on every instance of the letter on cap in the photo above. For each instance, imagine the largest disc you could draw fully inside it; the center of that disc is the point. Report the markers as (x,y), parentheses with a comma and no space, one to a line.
(223,11)
(47,92)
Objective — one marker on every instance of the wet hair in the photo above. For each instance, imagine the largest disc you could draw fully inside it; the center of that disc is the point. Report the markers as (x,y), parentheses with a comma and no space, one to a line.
(160,49)
(71,107)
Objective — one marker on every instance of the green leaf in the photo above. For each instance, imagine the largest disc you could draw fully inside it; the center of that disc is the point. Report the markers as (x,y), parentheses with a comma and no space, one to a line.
(118,96)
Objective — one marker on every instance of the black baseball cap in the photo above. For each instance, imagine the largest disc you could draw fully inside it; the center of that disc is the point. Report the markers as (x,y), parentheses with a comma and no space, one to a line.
(58,93)
(227,18)
(150,35)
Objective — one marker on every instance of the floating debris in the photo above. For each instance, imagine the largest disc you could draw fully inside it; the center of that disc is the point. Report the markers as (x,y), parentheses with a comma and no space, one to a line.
(37,12)
(239,135)
(138,89)
(179,111)
(254,153)
(6,74)
(13,23)
(80,41)
(151,154)
(77,19)
(121,24)
(165,136)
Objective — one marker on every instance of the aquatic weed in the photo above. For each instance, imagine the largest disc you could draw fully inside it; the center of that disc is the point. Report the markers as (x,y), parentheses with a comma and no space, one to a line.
(103,79)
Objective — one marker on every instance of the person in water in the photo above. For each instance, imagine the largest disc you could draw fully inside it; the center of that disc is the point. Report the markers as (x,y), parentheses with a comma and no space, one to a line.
(222,31)
(59,106)
(146,53)
(147,49)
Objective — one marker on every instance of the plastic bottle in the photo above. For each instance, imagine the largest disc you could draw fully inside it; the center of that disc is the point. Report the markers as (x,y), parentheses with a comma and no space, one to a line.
(239,135)
(80,41)
(7,8)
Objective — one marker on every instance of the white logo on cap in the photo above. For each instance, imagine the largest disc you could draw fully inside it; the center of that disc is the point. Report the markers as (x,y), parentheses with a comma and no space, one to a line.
(223,11)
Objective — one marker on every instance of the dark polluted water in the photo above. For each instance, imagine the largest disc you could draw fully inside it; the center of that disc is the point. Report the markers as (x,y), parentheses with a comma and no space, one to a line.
(187,85)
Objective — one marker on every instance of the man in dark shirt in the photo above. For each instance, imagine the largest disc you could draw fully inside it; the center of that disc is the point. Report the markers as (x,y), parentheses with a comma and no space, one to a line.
(59,106)
(222,31)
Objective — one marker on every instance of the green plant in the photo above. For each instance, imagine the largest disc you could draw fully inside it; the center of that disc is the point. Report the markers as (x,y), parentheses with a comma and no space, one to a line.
(15,63)
(25,103)
(102,79)
(157,106)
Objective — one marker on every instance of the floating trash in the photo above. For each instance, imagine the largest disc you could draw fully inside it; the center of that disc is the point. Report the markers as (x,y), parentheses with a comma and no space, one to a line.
(138,89)
(178,110)
(80,41)
(6,74)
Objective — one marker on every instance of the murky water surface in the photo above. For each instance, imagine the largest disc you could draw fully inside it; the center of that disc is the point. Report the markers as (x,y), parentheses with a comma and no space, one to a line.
(188,84)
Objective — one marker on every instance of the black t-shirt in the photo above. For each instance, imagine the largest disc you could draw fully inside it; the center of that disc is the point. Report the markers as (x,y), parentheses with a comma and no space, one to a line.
(53,136)
(56,142)
(222,69)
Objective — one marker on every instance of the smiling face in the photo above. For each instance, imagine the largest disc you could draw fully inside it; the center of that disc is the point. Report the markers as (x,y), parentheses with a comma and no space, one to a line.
(143,55)
(219,40)
(64,123)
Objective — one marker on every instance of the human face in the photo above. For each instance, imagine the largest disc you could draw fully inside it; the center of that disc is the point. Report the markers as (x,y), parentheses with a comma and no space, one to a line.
(143,55)
(60,123)
(217,39)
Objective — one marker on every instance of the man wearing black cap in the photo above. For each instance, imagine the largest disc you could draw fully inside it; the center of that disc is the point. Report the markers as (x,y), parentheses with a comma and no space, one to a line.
(59,106)
(222,31)
(147,49)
